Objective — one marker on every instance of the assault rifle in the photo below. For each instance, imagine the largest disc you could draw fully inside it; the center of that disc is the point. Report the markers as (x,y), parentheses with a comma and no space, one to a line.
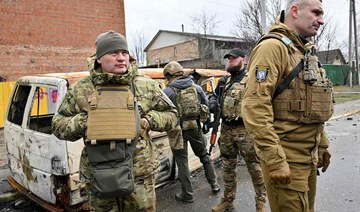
(217,116)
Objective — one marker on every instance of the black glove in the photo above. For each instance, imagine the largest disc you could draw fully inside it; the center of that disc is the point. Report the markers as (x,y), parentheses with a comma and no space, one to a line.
(213,104)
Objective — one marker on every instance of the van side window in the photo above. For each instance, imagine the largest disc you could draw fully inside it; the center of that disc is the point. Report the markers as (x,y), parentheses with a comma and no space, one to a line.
(43,109)
(18,103)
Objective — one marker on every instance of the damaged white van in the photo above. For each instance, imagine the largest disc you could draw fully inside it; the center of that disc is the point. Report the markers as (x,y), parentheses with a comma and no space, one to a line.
(46,169)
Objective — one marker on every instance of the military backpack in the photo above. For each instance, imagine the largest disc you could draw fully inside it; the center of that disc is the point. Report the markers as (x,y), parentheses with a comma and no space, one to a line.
(188,106)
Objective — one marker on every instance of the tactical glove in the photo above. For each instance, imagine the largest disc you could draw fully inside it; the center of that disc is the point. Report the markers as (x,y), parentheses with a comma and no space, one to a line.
(145,128)
(279,173)
(213,104)
(324,158)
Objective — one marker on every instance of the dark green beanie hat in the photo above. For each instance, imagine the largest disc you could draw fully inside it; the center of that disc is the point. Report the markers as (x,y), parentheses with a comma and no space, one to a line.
(108,42)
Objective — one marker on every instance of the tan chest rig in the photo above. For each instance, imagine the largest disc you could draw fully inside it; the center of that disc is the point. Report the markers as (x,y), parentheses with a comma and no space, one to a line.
(233,95)
(112,133)
(309,97)
(113,114)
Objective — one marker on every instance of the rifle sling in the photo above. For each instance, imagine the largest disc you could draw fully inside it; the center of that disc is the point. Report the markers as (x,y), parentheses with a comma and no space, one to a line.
(284,84)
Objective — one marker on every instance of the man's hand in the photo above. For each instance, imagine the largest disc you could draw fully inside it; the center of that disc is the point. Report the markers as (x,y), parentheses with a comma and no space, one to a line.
(279,173)
(324,158)
(145,128)
(205,128)
(213,103)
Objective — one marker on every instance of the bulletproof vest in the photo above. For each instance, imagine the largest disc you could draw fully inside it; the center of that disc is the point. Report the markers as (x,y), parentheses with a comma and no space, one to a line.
(113,114)
(233,95)
(113,128)
(308,98)
(188,106)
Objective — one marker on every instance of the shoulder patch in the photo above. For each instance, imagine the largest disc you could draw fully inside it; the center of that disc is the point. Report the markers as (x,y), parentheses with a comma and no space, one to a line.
(262,73)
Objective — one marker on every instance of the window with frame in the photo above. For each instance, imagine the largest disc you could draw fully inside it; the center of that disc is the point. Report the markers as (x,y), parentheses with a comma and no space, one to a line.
(18,104)
(43,109)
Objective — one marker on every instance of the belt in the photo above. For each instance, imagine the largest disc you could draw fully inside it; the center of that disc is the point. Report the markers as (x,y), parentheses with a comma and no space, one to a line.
(238,122)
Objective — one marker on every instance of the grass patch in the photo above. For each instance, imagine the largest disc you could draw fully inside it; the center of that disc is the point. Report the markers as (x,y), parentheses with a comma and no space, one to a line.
(343,93)
(344,97)
(346,88)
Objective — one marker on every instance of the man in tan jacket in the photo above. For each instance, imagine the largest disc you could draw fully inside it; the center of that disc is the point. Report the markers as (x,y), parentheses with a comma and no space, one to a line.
(286,102)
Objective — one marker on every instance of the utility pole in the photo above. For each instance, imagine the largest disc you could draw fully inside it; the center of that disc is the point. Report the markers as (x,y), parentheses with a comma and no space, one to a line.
(350,46)
(356,44)
(263,16)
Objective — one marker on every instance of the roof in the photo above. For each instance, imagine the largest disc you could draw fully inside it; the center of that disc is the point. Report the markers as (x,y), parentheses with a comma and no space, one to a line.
(328,57)
(71,77)
(53,78)
(196,35)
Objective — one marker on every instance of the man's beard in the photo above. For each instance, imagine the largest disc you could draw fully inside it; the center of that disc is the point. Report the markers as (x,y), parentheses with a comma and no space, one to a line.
(233,69)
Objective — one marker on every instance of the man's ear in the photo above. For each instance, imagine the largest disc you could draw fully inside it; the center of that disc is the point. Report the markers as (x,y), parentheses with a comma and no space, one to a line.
(294,10)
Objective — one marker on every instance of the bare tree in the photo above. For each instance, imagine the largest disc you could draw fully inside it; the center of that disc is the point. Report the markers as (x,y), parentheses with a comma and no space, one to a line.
(138,43)
(247,24)
(205,24)
(326,38)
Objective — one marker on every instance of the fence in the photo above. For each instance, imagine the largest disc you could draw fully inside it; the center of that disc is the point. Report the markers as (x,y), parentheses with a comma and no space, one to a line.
(338,74)
(5,92)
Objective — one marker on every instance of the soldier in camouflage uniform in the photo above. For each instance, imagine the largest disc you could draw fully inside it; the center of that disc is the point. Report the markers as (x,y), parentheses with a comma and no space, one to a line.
(111,66)
(234,139)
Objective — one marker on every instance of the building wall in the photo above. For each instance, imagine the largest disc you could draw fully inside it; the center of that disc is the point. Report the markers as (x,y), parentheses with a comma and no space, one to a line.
(53,35)
(182,51)
(164,39)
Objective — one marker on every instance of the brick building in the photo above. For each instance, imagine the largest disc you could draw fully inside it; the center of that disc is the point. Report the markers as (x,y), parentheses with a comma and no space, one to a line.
(53,35)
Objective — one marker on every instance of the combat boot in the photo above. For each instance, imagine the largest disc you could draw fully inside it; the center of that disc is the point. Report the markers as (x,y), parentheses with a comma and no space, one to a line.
(183,198)
(260,208)
(215,188)
(223,206)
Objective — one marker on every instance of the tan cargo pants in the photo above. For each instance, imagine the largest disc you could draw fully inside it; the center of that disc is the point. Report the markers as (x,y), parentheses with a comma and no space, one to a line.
(285,198)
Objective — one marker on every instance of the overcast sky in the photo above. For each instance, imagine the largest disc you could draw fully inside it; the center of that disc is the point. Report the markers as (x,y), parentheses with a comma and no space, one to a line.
(149,16)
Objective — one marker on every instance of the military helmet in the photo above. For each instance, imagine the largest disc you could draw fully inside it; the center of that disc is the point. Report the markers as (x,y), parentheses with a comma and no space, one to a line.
(173,69)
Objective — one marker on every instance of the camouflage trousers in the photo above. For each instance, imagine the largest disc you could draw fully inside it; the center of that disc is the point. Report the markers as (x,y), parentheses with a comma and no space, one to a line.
(233,141)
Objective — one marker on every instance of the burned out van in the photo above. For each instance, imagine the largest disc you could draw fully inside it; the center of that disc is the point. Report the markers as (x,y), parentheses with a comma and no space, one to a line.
(45,168)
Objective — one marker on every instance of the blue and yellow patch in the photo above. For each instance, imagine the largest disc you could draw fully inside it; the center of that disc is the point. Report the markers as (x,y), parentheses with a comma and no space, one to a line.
(261,73)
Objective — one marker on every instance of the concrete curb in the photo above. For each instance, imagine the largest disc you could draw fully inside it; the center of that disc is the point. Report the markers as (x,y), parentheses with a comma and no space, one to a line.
(345,115)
